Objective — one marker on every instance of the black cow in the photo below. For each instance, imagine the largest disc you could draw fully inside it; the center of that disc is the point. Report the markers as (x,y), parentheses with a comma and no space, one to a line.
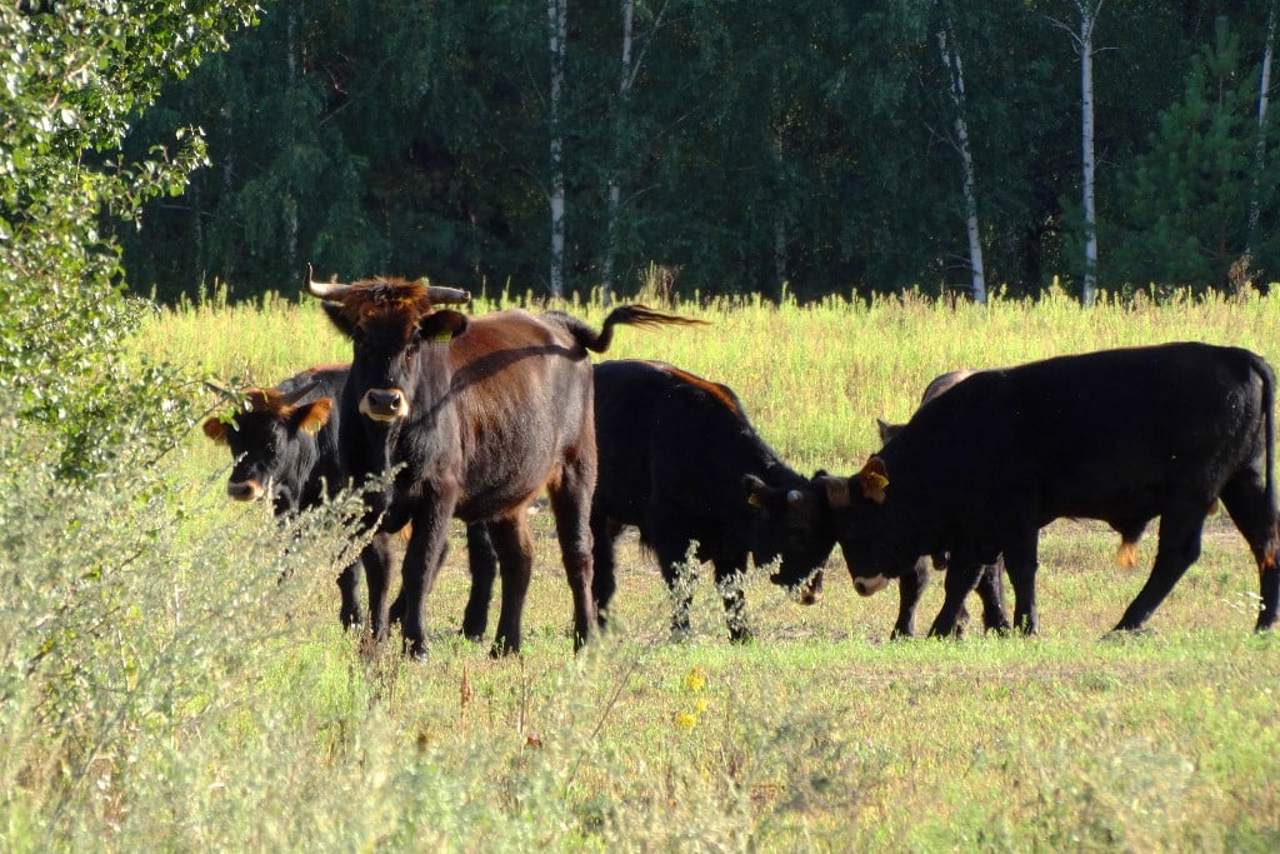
(679,460)
(912,584)
(285,443)
(1122,436)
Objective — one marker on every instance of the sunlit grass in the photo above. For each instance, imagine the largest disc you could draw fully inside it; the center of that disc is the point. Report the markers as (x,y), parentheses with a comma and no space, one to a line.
(822,733)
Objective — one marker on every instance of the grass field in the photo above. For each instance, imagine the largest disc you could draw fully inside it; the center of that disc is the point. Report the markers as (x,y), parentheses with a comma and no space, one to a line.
(820,734)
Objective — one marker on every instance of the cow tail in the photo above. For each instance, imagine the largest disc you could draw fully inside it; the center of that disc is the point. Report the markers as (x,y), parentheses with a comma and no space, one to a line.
(625,315)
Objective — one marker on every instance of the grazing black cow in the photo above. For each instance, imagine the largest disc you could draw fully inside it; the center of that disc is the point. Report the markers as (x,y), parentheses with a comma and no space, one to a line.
(679,460)
(285,444)
(1122,436)
(483,414)
(912,584)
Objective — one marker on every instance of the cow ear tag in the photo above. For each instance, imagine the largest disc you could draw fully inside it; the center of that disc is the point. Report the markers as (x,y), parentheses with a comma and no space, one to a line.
(873,479)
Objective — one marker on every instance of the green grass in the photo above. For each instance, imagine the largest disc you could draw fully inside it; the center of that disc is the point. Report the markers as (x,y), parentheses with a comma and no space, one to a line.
(820,734)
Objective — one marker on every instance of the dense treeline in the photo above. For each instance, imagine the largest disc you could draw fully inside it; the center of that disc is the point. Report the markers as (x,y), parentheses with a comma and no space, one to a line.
(834,146)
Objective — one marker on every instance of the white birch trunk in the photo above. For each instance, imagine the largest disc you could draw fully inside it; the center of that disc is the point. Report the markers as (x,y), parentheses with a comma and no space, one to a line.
(955,71)
(1088,17)
(1260,152)
(291,203)
(779,213)
(615,181)
(557,20)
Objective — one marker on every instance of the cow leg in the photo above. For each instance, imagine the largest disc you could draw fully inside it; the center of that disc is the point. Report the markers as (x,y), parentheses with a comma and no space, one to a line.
(1245,497)
(730,576)
(483,561)
(672,549)
(604,579)
(571,504)
(348,581)
(991,591)
(1022,561)
(910,586)
(1179,547)
(514,544)
(376,558)
(962,576)
(421,564)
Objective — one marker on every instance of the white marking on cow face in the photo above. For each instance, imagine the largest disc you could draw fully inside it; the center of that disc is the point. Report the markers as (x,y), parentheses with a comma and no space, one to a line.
(384,404)
(247,490)
(870,586)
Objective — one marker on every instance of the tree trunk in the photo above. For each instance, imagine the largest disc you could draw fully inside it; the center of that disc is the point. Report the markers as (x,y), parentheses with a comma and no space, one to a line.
(955,71)
(290,203)
(615,178)
(1088,17)
(557,20)
(1260,152)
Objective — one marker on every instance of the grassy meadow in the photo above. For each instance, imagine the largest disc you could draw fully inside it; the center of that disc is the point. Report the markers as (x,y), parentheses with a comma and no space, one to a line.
(820,734)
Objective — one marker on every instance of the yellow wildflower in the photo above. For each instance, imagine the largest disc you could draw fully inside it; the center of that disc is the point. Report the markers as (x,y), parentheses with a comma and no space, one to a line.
(695,680)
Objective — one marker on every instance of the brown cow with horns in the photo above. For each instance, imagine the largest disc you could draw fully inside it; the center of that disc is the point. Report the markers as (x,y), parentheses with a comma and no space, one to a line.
(482,414)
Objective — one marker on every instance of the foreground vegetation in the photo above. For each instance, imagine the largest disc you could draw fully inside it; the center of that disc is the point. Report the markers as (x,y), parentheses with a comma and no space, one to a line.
(201,702)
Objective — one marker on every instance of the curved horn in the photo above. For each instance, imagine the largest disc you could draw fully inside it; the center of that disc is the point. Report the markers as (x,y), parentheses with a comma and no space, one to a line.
(217,389)
(292,397)
(322,290)
(438,294)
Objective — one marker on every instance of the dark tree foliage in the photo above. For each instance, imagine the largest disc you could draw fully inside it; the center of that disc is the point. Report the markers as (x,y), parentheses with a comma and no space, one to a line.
(761,142)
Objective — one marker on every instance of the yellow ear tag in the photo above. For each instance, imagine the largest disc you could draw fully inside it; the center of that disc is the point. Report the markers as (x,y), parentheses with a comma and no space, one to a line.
(875,481)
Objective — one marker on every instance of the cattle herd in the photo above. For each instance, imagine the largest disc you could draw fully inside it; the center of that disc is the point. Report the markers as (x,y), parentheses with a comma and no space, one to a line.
(480,415)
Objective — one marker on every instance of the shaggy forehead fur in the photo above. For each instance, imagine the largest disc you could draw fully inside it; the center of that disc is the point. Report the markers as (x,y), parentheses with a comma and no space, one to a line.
(385,300)
(269,400)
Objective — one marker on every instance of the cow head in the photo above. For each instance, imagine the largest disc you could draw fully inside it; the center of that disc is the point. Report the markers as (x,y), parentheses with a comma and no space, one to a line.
(861,508)
(790,522)
(272,440)
(400,364)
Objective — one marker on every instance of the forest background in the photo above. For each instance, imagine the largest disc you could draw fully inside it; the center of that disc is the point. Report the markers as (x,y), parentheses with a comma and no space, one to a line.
(850,147)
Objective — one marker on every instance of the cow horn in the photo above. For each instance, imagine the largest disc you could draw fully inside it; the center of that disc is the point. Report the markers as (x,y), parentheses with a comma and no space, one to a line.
(290,398)
(217,389)
(439,295)
(323,290)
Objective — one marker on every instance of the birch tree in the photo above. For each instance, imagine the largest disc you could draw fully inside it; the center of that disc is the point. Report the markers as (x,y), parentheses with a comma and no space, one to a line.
(557,27)
(290,202)
(1087,12)
(1261,149)
(955,74)
(632,61)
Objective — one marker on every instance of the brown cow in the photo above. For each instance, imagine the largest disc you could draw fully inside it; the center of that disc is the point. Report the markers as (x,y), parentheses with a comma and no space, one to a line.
(481,414)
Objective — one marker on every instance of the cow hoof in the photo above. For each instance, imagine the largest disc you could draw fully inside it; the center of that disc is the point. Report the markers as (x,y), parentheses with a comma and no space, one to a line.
(901,634)
(741,636)
(1002,629)
(1119,635)
(502,649)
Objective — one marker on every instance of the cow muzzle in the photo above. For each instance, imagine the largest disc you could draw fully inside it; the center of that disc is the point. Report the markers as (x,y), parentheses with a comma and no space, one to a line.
(245,490)
(384,404)
(870,586)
